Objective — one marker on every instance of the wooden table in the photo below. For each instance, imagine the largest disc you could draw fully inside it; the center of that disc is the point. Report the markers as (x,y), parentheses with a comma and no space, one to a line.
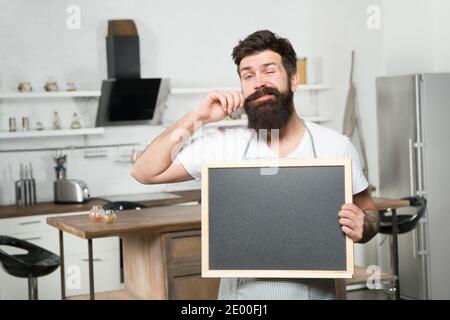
(161,251)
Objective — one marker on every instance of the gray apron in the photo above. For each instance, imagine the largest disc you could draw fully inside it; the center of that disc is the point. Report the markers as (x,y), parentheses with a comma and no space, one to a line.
(276,289)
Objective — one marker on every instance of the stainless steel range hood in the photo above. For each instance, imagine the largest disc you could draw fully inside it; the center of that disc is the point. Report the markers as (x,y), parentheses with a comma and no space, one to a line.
(126,98)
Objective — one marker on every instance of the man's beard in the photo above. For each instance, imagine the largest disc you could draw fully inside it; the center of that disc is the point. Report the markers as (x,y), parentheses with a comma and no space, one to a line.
(273,113)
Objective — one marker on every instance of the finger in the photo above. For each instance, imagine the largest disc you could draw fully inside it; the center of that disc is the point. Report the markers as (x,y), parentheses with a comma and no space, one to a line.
(230,102)
(347,214)
(350,206)
(222,100)
(351,233)
(354,209)
(242,99)
(236,100)
(349,223)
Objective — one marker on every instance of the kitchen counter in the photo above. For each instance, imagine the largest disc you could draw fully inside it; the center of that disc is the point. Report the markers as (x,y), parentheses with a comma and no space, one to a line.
(161,251)
(45,208)
(161,219)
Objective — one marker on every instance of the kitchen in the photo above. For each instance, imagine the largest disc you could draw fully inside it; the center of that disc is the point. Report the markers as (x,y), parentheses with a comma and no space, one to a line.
(54,73)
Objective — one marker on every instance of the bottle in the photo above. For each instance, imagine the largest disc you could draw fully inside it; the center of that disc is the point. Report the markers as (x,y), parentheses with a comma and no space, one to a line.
(25,124)
(39,126)
(56,121)
(12,125)
(75,122)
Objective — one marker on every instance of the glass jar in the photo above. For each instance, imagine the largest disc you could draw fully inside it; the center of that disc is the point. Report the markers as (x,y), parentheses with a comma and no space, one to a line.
(96,214)
(109,216)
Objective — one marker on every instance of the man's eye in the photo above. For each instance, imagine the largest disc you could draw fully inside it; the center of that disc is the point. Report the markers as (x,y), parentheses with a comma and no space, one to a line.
(248,76)
(270,72)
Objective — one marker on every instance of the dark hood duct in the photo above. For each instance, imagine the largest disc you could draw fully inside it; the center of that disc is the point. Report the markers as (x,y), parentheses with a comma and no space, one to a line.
(122,50)
(126,98)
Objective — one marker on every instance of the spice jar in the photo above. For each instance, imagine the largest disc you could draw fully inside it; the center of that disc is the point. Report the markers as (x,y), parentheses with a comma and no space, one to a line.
(96,214)
(109,216)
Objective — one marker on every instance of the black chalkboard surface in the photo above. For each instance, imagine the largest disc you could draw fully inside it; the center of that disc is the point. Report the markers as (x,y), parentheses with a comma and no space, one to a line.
(276,219)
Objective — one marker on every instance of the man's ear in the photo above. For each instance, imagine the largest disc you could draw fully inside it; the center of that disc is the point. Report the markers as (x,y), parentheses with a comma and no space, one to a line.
(295,79)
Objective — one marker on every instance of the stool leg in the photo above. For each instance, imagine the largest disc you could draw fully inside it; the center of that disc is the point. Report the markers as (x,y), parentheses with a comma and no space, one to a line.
(32,288)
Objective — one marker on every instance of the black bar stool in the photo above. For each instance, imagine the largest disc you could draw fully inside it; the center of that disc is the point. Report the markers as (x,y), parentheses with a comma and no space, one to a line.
(37,262)
(396,224)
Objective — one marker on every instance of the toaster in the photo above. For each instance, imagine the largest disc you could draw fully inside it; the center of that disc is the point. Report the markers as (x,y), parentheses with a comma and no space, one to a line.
(70,191)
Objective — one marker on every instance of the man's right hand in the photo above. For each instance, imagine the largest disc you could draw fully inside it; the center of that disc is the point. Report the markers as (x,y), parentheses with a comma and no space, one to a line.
(156,164)
(217,105)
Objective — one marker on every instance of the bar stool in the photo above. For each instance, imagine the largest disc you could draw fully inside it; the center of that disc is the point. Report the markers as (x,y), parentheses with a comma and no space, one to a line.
(37,262)
(396,224)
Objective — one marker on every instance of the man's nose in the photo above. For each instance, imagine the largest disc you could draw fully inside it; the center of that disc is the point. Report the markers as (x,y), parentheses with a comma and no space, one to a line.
(260,82)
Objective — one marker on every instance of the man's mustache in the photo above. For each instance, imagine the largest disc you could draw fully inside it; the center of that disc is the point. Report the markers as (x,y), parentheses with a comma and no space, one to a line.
(262,92)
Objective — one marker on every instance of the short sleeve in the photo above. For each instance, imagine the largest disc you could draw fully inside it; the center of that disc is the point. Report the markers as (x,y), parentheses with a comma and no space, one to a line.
(199,149)
(359,180)
(190,157)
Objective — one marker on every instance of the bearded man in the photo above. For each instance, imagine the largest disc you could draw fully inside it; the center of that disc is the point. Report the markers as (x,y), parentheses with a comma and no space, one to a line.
(266,65)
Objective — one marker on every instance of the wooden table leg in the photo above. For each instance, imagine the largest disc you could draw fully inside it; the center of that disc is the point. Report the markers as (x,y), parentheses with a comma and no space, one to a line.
(144,267)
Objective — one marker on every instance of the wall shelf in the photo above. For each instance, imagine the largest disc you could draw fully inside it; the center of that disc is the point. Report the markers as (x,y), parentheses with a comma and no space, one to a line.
(173,91)
(204,90)
(51,133)
(56,94)
(230,123)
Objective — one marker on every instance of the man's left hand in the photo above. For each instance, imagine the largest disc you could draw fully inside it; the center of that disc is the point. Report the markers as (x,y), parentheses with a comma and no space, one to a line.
(351,219)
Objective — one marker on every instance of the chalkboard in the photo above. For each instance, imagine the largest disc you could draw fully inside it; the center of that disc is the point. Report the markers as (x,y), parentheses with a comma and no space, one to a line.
(276,219)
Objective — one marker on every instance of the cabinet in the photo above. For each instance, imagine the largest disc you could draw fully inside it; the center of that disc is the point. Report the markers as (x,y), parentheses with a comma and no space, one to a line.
(35,230)
(183,261)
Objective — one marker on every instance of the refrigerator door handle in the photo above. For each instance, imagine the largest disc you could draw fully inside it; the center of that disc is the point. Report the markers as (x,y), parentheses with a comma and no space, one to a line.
(414,241)
(411,168)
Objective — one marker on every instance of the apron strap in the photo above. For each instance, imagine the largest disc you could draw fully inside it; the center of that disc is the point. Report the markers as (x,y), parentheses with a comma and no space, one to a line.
(313,145)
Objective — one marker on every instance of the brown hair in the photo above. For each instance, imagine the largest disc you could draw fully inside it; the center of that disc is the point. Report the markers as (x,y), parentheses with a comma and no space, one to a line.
(266,40)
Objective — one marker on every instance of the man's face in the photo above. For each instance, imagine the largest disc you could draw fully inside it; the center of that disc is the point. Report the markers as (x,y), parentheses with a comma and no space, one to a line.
(267,91)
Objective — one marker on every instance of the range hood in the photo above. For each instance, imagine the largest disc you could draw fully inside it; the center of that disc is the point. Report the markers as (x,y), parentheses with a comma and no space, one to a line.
(126,98)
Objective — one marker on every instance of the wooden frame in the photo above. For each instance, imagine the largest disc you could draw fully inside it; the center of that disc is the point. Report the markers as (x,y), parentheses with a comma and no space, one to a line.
(207,272)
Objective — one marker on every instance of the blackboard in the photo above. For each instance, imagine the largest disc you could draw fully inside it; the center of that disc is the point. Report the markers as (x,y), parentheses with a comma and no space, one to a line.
(276,219)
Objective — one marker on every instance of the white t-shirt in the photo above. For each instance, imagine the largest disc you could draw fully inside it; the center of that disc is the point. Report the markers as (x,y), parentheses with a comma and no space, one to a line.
(230,144)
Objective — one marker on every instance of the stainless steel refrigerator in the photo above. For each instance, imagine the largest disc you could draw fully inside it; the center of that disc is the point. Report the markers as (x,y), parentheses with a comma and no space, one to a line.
(414,159)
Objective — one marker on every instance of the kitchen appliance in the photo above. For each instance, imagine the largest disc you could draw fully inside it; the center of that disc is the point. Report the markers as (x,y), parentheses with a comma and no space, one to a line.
(132,102)
(413,133)
(68,190)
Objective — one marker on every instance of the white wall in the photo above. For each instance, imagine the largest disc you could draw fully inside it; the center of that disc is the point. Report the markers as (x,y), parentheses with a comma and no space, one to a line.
(189,42)
(408,36)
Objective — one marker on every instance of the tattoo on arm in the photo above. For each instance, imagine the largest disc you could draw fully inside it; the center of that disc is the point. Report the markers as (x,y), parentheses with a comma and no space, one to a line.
(371,225)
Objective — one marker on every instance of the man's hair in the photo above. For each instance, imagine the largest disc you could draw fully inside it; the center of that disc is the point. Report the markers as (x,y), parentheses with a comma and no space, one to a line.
(266,40)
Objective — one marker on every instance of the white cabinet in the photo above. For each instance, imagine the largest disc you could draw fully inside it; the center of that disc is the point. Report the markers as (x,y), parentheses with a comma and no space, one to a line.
(106,273)
(35,230)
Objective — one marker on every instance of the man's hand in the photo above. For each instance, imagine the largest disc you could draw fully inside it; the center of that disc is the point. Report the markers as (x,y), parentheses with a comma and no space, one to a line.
(217,105)
(351,218)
